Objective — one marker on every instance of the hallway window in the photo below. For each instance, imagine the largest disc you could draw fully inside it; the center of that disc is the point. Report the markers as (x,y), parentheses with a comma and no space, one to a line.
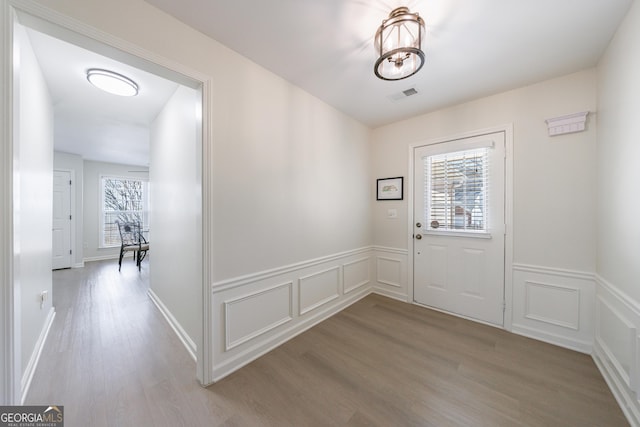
(125,200)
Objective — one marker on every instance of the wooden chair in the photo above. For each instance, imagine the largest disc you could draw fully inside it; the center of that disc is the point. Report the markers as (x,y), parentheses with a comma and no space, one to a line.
(132,240)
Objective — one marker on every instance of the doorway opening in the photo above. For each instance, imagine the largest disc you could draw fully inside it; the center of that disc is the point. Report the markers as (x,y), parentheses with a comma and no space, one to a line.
(177,160)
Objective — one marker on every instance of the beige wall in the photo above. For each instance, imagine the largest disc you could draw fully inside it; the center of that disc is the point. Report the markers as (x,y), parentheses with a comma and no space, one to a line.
(617,314)
(291,174)
(618,154)
(175,215)
(554,177)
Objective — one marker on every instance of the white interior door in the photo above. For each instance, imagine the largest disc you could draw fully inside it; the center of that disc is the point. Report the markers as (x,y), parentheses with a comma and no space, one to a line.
(61,219)
(459,226)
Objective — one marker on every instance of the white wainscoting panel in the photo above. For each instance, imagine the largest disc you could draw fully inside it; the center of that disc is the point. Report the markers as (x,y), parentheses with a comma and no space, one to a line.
(616,338)
(389,271)
(249,316)
(554,306)
(356,274)
(617,346)
(390,266)
(318,289)
(255,313)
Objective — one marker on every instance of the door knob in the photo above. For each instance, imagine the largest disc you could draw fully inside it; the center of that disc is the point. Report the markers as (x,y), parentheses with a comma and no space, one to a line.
(418,236)
(418,224)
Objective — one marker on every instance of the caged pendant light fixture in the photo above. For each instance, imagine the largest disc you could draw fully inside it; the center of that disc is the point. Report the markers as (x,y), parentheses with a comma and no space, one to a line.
(398,43)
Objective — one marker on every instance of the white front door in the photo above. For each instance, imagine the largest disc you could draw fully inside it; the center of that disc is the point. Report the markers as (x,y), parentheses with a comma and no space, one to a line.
(459,226)
(61,219)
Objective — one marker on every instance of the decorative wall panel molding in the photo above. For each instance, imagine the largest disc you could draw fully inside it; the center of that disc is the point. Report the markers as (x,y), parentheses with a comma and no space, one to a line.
(617,346)
(318,289)
(554,305)
(279,271)
(616,337)
(356,274)
(252,315)
(255,313)
(389,271)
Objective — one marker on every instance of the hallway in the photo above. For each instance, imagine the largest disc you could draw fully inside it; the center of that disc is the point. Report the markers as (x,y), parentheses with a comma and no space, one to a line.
(111,359)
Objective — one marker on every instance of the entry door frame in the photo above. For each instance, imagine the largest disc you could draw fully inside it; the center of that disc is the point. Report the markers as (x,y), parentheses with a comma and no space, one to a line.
(13,12)
(508,213)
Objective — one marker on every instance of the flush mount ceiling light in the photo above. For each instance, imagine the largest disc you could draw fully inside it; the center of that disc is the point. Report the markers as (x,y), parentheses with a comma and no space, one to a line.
(111,82)
(398,42)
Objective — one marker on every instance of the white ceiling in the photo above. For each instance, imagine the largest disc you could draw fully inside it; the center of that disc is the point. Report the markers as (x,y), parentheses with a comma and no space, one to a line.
(473,48)
(92,123)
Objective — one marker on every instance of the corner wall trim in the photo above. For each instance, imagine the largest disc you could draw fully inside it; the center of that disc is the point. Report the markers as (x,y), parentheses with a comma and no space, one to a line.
(188,343)
(35,356)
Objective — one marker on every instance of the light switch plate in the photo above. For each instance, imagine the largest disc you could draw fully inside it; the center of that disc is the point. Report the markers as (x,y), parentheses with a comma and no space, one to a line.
(392,213)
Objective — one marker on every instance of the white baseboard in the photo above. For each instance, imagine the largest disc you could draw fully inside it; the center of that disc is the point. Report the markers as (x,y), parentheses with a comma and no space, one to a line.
(35,356)
(625,399)
(559,340)
(186,340)
(102,258)
(390,294)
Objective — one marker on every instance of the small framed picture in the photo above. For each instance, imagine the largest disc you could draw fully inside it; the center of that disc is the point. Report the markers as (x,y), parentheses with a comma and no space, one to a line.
(390,188)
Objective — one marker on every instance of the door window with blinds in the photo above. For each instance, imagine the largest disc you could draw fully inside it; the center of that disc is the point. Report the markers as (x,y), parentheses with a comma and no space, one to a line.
(456,191)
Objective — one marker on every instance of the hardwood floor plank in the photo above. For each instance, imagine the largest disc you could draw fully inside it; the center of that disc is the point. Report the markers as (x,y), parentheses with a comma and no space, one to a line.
(112,360)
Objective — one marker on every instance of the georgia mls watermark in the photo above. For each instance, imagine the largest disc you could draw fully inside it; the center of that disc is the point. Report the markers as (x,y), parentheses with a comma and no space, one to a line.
(32,416)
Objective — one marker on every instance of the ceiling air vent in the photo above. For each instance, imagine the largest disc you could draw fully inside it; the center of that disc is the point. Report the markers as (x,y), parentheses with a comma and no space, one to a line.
(404,94)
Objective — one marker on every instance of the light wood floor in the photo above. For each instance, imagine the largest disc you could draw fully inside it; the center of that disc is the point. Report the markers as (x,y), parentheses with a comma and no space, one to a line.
(112,360)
